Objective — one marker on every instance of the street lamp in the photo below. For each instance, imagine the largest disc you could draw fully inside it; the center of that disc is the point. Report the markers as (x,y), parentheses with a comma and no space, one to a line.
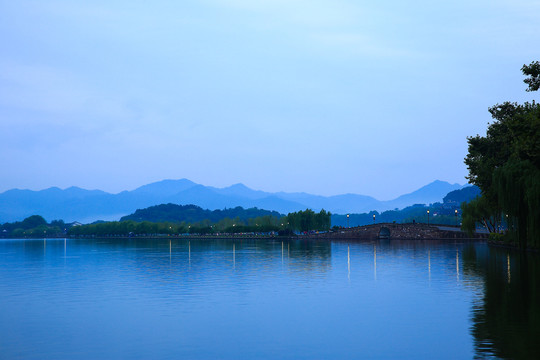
(374,219)
(428,217)
(456,216)
(347,220)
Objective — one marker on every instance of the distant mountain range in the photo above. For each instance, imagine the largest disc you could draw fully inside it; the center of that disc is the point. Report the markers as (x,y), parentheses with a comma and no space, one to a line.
(76,204)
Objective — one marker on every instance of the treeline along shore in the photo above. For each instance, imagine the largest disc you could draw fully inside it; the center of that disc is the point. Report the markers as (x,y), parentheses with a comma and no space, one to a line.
(297,222)
(168,219)
(305,224)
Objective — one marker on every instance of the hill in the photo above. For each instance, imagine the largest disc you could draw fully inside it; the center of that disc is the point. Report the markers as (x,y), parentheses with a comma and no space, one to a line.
(192,214)
(440,213)
(458,196)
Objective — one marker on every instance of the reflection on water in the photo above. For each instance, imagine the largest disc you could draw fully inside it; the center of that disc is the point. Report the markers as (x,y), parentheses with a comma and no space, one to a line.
(457,264)
(238,298)
(349,262)
(375,261)
(506,321)
(508,268)
(429,264)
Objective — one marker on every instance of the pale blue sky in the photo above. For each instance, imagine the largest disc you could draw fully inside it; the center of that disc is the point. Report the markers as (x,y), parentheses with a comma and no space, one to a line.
(326,97)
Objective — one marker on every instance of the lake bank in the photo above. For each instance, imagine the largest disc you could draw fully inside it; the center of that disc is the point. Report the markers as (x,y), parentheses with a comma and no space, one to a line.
(394,231)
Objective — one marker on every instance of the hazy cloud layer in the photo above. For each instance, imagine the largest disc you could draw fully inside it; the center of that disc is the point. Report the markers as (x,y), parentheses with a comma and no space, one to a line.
(321,96)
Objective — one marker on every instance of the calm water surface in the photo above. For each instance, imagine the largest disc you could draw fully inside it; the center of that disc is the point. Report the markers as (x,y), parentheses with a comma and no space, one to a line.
(266,299)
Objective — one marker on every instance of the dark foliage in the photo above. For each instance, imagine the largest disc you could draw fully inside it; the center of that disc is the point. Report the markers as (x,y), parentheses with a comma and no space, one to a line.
(505,165)
(533,71)
(32,226)
(308,220)
(192,214)
(438,214)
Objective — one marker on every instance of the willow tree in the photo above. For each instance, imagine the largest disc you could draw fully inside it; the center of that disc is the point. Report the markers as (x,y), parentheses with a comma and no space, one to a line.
(479,210)
(309,220)
(505,165)
(518,186)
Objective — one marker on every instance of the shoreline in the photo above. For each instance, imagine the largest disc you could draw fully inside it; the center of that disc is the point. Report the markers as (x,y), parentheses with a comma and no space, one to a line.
(504,245)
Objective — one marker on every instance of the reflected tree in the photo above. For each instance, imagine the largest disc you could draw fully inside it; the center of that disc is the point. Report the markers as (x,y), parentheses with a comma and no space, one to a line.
(506,320)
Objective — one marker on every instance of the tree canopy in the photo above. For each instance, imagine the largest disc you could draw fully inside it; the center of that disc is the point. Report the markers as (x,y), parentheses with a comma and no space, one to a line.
(505,165)
(309,220)
(533,71)
(31,227)
(192,213)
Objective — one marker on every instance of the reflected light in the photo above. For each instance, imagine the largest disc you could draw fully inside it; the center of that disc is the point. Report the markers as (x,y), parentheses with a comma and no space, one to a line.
(375,261)
(457,264)
(508,267)
(349,261)
(429,265)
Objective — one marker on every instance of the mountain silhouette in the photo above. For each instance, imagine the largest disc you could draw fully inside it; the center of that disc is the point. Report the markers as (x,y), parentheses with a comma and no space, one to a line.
(76,204)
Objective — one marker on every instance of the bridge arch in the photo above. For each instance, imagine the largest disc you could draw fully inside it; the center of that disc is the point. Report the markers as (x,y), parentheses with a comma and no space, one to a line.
(384,233)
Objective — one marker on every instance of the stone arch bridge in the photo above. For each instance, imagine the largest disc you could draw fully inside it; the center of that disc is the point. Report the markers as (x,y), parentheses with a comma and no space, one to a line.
(396,231)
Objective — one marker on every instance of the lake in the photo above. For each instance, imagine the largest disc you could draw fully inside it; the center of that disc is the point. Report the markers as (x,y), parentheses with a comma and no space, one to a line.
(175,298)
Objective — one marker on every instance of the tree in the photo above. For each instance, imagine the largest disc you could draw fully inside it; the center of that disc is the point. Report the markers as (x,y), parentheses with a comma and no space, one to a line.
(479,210)
(533,71)
(308,220)
(33,221)
(518,185)
(505,165)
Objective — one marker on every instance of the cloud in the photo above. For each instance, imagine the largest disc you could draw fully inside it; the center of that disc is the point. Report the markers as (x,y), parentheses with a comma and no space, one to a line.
(364,45)
(334,29)
(312,13)
(40,94)
(40,88)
